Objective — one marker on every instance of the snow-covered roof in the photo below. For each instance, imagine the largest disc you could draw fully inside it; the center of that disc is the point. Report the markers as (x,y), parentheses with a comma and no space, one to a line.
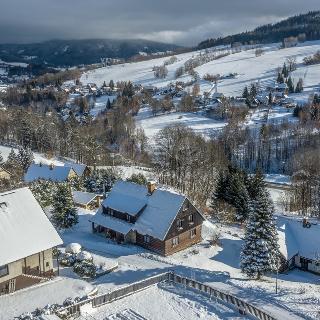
(124,202)
(294,238)
(24,227)
(159,209)
(47,172)
(81,197)
(111,222)
(79,168)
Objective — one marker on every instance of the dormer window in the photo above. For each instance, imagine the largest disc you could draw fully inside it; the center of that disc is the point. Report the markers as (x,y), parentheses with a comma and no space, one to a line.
(179,224)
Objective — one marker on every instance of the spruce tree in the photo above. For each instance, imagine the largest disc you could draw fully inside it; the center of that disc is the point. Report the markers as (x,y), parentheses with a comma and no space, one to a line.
(64,213)
(260,252)
(108,105)
(231,188)
(280,78)
(285,71)
(299,87)
(25,157)
(270,98)
(253,92)
(290,85)
(245,93)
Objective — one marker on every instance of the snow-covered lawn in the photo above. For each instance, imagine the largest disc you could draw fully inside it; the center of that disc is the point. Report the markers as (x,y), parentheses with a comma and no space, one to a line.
(55,291)
(165,302)
(218,266)
(249,68)
(199,123)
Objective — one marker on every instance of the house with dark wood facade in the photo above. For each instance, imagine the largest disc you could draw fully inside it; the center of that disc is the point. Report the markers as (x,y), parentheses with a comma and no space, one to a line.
(26,241)
(155,218)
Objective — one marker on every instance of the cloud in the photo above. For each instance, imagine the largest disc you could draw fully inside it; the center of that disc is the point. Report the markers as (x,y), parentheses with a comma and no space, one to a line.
(184,22)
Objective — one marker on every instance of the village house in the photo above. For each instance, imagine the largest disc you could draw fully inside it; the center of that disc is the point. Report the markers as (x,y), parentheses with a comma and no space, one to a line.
(4,174)
(82,170)
(26,241)
(49,172)
(86,200)
(300,243)
(160,220)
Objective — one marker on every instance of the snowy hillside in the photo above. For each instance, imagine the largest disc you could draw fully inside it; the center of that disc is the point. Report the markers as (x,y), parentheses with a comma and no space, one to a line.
(248,67)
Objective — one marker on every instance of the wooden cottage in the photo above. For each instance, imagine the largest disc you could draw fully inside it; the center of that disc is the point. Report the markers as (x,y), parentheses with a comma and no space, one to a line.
(157,219)
(26,241)
(49,172)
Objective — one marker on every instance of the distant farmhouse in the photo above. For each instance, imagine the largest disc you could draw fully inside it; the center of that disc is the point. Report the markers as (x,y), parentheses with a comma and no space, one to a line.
(157,219)
(56,173)
(26,241)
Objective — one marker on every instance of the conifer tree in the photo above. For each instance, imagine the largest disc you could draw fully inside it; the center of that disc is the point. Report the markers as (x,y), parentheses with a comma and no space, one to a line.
(111,84)
(280,78)
(260,251)
(231,188)
(253,92)
(245,93)
(270,98)
(64,213)
(285,71)
(290,85)
(299,86)
(108,105)
(25,157)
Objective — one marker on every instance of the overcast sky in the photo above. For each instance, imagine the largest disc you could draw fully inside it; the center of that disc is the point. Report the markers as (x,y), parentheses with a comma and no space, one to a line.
(184,22)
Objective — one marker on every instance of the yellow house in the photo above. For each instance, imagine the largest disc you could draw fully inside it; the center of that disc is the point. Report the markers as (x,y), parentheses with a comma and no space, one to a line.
(4,174)
(26,241)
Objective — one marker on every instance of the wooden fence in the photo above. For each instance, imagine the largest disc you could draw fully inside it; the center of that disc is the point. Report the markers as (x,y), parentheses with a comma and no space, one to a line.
(242,306)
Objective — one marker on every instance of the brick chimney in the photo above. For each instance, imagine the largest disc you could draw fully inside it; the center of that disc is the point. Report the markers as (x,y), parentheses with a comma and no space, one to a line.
(151,186)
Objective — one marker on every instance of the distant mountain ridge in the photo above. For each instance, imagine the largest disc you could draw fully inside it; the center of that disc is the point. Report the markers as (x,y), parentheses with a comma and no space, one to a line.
(308,23)
(67,53)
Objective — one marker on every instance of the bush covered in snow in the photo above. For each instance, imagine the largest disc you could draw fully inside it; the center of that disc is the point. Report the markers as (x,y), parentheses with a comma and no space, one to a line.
(85,268)
(73,248)
(84,256)
(67,259)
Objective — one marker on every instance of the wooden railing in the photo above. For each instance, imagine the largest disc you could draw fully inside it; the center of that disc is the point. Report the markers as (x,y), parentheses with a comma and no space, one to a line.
(226,298)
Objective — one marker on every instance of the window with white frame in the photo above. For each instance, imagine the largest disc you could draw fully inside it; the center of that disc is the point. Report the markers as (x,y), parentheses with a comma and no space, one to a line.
(146,238)
(179,224)
(193,233)
(175,241)
(190,218)
(4,270)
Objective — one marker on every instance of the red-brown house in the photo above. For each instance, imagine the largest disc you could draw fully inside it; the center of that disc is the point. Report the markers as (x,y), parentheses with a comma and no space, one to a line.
(155,218)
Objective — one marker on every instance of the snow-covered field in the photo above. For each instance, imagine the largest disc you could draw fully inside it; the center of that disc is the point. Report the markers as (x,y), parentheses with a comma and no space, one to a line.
(262,69)
(199,123)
